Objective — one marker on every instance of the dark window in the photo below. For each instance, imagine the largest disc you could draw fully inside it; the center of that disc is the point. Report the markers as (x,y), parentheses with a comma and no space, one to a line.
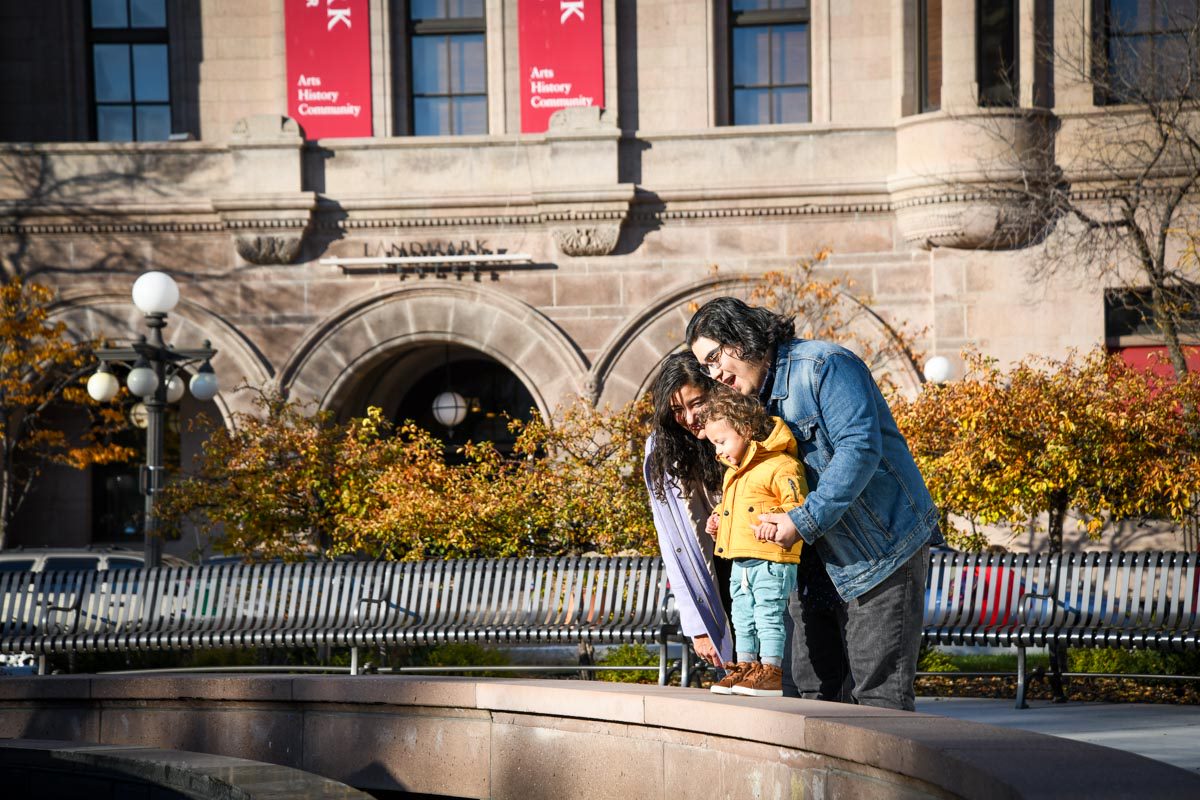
(1149,50)
(1130,312)
(124,563)
(996,54)
(929,54)
(448,67)
(131,95)
(493,395)
(66,563)
(769,62)
(23,565)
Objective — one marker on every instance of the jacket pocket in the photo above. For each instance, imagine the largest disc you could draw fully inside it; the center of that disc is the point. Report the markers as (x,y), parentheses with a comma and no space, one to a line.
(808,442)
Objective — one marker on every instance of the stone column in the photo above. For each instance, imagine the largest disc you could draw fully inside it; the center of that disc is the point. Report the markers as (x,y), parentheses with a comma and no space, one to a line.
(960,90)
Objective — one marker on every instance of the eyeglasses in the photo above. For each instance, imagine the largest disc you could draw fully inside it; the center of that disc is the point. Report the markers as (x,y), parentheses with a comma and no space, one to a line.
(712,361)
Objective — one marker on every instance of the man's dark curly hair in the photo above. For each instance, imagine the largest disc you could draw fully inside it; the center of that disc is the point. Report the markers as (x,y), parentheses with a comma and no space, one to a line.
(744,414)
(677,453)
(749,331)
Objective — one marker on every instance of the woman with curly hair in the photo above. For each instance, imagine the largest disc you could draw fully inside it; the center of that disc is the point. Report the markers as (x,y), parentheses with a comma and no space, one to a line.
(684,479)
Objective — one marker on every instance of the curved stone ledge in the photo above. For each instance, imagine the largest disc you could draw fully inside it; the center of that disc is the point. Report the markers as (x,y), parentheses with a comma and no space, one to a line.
(463,737)
(41,768)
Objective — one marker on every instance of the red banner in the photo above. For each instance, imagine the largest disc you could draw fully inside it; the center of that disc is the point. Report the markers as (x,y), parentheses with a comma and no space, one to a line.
(329,67)
(562,58)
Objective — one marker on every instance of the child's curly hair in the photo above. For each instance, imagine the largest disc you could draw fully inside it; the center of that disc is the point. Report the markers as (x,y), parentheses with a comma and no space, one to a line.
(745,414)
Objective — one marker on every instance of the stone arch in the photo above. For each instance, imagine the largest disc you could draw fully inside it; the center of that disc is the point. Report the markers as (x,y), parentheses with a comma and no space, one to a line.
(111,316)
(631,357)
(332,357)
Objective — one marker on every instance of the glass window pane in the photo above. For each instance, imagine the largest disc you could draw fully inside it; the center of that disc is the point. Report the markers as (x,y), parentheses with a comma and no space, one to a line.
(153,123)
(470,115)
(426,9)
(1129,16)
(429,65)
(431,116)
(64,562)
(112,73)
(466,8)
(1129,65)
(790,105)
(1176,15)
(751,106)
(114,123)
(150,73)
(751,5)
(789,54)
(109,14)
(148,14)
(467,69)
(751,58)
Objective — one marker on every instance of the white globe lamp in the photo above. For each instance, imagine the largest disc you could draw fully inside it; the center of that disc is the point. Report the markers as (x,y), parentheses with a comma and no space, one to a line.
(938,369)
(142,380)
(204,383)
(449,409)
(103,385)
(155,293)
(175,389)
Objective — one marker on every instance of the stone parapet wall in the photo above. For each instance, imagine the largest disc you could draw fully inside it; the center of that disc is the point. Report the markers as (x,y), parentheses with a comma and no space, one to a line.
(533,738)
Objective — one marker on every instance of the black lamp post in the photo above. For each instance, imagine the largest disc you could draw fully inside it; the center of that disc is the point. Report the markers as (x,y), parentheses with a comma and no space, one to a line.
(155,378)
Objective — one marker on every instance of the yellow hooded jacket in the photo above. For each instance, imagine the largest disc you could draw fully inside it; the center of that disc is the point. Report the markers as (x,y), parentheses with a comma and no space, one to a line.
(770,479)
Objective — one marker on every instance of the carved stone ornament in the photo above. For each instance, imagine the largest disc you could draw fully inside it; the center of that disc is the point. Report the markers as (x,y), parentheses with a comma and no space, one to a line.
(971,224)
(264,250)
(591,240)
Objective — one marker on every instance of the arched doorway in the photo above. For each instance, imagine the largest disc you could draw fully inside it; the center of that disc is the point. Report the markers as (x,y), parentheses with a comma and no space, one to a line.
(405,387)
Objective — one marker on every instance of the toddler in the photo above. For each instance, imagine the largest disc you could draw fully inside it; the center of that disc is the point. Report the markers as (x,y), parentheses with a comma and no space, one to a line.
(762,476)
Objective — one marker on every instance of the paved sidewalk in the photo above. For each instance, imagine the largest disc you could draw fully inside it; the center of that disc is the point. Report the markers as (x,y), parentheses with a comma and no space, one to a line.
(1162,732)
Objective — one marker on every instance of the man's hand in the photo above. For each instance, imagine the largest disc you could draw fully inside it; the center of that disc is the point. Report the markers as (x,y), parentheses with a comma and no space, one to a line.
(785,534)
(713,525)
(705,648)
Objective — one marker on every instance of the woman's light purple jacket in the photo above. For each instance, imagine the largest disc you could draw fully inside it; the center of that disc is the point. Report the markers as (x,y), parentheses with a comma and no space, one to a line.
(680,527)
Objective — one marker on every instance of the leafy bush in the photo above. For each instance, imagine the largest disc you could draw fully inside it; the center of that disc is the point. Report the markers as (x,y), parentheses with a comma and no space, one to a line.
(629,655)
(1133,662)
(936,661)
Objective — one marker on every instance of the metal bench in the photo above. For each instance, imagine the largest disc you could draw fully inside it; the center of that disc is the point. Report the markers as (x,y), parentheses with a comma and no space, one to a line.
(1021,600)
(341,604)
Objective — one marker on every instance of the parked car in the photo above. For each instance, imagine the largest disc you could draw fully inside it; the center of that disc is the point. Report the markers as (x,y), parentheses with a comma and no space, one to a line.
(49,559)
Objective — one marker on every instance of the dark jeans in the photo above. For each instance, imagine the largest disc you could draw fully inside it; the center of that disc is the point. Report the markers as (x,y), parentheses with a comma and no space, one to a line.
(864,651)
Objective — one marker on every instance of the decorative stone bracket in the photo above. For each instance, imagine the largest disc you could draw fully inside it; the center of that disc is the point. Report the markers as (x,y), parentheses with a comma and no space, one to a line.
(588,240)
(268,230)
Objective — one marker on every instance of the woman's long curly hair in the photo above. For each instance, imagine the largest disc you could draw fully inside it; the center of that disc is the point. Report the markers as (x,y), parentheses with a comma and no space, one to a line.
(678,456)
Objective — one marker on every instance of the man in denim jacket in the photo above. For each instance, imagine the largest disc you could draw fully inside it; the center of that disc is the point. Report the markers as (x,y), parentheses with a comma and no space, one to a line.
(868,516)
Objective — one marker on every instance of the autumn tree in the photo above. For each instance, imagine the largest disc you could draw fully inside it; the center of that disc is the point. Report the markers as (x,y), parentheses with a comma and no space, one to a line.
(288,481)
(832,308)
(1087,434)
(42,371)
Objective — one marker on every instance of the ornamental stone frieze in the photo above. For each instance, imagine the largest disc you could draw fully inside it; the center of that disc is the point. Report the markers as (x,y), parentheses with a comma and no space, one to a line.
(588,240)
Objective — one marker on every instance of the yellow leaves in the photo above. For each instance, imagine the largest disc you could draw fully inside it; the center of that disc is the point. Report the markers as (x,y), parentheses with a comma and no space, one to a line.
(287,480)
(1087,433)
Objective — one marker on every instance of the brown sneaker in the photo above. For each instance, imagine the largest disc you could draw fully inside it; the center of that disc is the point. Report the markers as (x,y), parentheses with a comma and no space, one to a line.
(733,674)
(766,681)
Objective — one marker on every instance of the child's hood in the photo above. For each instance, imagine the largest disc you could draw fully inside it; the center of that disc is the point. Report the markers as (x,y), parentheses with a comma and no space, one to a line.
(780,440)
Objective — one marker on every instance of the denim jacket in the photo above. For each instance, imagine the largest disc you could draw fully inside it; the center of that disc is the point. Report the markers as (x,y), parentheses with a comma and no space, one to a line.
(868,510)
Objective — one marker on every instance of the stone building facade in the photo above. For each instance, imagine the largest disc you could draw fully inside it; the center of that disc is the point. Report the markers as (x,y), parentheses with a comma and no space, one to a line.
(609,222)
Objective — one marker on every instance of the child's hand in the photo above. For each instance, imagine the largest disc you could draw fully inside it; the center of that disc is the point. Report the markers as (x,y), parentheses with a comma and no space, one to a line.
(765,532)
(713,524)
(785,534)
